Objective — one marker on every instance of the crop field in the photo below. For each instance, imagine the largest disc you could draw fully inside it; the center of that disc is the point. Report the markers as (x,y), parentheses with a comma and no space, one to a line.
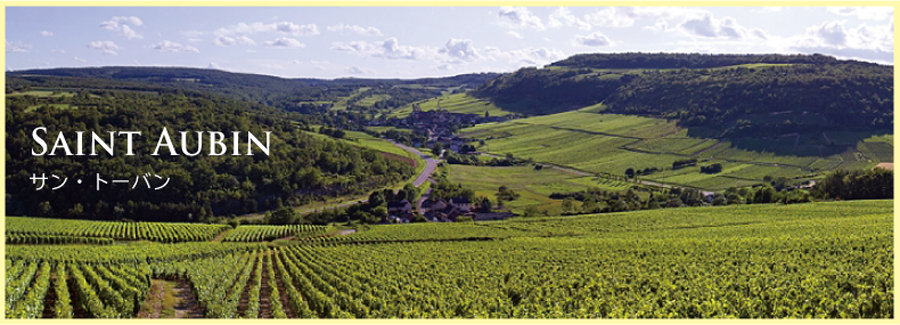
(250,233)
(371,100)
(534,186)
(818,260)
(155,231)
(455,103)
(44,93)
(610,143)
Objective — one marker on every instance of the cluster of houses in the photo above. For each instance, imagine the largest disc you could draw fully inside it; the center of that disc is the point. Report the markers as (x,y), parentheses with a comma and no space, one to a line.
(437,125)
(441,211)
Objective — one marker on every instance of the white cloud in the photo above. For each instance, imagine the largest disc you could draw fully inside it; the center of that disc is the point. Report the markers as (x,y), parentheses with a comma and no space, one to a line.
(389,49)
(595,39)
(17,47)
(240,34)
(704,25)
(120,25)
(213,65)
(563,17)
(297,30)
(57,51)
(612,17)
(868,13)
(366,31)
(531,56)
(515,34)
(835,35)
(520,17)
(285,43)
(461,49)
(168,46)
(79,59)
(107,47)
(769,9)
(357,70)
(228,41)
(45,33)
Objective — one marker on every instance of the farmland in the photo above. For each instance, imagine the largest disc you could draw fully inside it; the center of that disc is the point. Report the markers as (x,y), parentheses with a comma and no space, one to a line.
(534,186)
(455,103)
(608,144)
(830,260)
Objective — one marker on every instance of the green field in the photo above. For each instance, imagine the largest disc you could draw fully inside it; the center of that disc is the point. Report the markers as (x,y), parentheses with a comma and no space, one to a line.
(44,93)
(610,143)
(534,186)
(818,260)
(386,128)
(371,100)
(456,103)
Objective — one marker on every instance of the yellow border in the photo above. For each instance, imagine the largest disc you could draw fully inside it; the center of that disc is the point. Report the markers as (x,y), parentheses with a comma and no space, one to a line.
(420,3)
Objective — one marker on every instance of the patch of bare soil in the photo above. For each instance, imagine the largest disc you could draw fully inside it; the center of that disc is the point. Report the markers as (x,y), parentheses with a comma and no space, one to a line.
(152,307)
(186,305)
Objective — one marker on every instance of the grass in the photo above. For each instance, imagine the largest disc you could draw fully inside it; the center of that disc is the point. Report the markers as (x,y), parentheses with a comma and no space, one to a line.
(381,129)
(455,103)
(534,186)
(44,93)
(57,106)
(371,100)
(608,144)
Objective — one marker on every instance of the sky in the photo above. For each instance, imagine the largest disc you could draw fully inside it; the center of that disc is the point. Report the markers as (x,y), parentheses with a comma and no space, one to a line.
(411,42)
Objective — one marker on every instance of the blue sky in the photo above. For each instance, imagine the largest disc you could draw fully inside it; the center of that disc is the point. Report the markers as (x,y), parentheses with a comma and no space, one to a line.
(408,42)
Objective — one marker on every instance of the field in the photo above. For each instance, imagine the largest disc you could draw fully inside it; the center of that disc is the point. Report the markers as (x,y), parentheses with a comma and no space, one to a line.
(534,186)
(608,144)
(821,260)
(456,103)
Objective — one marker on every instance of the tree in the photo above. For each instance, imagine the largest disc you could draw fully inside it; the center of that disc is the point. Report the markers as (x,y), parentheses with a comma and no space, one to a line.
(380,213)
(764,194)
(376,199)
(412,192)
(282,216)
(531,212)
(485,205)
(44,209)
(568,204)
(437,148)
(629,172)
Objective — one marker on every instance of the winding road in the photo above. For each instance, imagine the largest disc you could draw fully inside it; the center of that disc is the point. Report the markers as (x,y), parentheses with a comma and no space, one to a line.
(430,163)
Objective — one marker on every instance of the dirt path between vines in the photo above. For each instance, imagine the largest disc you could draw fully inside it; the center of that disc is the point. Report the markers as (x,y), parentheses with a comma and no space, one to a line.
(186,305)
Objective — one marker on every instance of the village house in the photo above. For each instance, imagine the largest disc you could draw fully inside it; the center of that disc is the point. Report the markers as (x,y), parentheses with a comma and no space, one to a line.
(461,203)
(401,208)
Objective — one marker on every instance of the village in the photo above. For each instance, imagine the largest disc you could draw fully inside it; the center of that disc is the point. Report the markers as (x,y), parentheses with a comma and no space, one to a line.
(453,210)
(439,126)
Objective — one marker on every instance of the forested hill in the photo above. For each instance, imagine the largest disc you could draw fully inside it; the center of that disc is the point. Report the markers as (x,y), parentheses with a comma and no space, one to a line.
(676,60)
(261,88)
(300,168)
(727,95)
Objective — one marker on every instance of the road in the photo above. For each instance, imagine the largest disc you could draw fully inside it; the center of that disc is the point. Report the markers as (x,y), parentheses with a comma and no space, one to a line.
(430,163)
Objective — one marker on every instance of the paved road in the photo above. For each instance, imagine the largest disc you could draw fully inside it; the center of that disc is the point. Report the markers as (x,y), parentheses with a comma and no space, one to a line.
(430,164)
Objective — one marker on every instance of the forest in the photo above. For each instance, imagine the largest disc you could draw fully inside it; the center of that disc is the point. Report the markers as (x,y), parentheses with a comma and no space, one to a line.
(299,169)
(781,94)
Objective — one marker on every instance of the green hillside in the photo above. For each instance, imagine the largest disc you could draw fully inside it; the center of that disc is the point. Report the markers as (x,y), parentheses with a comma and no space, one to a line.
(611,143)
(713,95)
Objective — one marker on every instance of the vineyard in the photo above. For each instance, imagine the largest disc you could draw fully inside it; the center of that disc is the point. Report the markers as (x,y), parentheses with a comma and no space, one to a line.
(264,233)
(153,231)
(822,260)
